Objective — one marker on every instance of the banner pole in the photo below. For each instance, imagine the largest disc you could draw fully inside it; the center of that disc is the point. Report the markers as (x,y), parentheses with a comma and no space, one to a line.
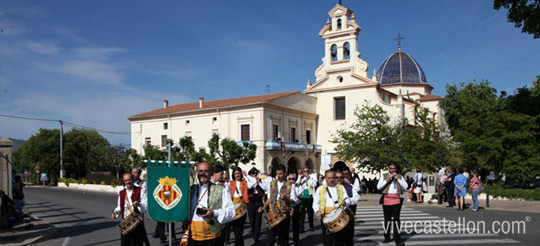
(169,165)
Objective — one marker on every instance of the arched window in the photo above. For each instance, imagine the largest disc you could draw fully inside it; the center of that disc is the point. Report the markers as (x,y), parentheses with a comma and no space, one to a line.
(333,52)
(347,51)
(338,24)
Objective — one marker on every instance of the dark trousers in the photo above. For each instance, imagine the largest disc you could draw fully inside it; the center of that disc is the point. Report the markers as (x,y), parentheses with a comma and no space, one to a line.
(255,218)
(227,232)
(135,237)
(391,220)
(281,231)
(307,206)
(335,239)
(238,230)
(296,223)
(451,198)
(212,242)
(160,230)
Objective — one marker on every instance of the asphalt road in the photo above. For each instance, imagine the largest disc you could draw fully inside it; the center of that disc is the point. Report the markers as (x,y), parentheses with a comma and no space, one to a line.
(83,218)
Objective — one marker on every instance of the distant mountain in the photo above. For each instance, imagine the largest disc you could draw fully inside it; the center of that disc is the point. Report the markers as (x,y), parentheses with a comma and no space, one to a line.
(16,144)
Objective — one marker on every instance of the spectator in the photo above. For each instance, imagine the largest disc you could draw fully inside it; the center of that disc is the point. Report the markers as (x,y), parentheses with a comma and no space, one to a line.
(476,187)
(418,185)
(18,194)
(449,184)
(460,184)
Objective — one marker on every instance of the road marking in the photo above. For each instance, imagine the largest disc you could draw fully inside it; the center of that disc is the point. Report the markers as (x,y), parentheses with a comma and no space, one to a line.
(66,241)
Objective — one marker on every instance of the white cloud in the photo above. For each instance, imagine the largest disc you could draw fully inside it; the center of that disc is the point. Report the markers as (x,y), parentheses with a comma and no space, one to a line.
(46,48)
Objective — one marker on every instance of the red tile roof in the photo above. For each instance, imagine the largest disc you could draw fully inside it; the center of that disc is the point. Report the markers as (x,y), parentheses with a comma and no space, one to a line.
(430,97)
(215,104)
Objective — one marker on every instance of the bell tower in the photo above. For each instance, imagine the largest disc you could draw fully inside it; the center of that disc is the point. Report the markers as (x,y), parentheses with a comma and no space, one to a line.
(341,55)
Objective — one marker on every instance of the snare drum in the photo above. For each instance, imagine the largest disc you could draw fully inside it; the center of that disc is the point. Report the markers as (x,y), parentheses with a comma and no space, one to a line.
(240,210)
(274,218)
(336,220)
(129,223)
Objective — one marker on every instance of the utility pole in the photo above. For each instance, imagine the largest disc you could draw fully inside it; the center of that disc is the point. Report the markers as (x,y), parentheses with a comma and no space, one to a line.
(61,157)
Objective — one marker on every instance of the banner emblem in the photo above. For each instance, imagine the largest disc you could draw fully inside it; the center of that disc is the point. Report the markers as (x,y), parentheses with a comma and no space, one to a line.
(167,194)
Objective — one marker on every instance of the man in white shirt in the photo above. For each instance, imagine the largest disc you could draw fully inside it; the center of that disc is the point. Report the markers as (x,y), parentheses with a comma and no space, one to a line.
(392,186)
(131,200)
(440,188)
(282,196)
(342,178)
(211,208)
(307,183)
(256,191)
(327,198)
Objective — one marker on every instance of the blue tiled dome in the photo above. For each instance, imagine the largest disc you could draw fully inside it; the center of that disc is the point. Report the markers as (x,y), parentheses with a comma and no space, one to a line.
(400,67)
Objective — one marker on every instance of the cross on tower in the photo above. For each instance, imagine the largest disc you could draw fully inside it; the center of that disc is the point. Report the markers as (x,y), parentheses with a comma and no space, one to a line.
(399,38)
(339,2)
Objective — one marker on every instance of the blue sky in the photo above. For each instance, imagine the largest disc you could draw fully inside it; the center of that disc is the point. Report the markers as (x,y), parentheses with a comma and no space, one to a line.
(95,63)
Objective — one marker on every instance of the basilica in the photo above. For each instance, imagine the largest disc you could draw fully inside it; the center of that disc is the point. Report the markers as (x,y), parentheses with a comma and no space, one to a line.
(295,128)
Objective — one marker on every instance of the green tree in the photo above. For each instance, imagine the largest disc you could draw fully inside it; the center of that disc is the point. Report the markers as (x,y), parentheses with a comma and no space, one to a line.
(86,151)
(43,150)
(523,13)
(229,154)
(371,141)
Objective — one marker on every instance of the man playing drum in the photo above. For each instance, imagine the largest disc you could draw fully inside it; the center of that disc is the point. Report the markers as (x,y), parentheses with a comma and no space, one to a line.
(238,188)
(280,198)
(342,178)
(326,199)
(392,186)
(131,200)
(211,208)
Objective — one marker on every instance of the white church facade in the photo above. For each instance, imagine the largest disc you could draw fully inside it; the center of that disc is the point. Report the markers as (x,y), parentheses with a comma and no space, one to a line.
(295,128)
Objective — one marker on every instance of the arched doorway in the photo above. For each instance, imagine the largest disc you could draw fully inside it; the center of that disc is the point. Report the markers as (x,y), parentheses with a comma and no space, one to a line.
(292,165)
(339,165)
(272,169)
(309,164)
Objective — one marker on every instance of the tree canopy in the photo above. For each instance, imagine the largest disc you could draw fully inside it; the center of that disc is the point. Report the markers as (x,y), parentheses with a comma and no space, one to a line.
(523,13)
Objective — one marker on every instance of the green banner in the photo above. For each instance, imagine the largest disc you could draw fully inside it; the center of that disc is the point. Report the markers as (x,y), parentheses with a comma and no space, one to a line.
(168,190)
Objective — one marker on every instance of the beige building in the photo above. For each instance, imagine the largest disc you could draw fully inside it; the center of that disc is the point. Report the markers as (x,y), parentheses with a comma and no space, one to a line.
(295,128)
(5,166)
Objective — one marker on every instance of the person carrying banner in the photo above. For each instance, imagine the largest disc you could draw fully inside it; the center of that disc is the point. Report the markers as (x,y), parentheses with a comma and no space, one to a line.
(326,198)
(281,196)
(392,186)
(131,200)
(211,207)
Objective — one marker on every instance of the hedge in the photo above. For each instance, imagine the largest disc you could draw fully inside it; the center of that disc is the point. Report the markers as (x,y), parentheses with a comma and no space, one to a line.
(497,190)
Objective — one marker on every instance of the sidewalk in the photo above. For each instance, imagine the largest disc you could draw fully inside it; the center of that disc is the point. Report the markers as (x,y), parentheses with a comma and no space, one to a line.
(512,205)
(19,235)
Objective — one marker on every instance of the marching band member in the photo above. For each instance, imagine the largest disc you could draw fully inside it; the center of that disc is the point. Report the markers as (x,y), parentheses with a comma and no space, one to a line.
(392,186)
(256,192)
(351,188)
(281,196)
(239,193)
(295,217)
(131,200)
(211,208)
(307,183)
(342,178)
(327,198)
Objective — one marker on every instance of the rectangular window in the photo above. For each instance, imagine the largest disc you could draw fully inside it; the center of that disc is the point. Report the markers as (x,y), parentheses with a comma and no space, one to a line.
(147,141)
(214,119)
(187,122)
(244,129)
(308,136)
(293,135)
(165,126)
(339,108)
(275,132)
(163,140)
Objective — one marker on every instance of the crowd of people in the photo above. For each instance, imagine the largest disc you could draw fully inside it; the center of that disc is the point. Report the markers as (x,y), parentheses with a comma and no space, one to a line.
(221,203)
